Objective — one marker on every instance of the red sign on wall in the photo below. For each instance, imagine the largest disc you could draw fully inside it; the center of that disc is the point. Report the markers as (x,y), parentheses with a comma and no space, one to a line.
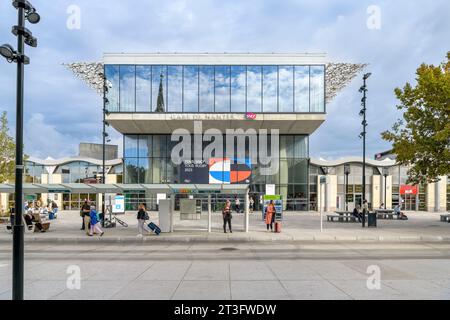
(406,189)
(250,116)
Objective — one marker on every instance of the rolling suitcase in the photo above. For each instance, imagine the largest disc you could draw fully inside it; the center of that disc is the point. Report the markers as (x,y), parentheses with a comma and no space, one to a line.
(277,227)
(154,228)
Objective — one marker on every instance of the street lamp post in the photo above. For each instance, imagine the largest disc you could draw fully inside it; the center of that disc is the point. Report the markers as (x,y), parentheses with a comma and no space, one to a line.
(346,172)
(104,136)
(362,113)
(385,174)
(25,11)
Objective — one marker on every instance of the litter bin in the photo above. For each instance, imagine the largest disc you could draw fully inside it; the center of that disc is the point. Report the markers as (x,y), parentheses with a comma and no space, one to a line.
(372,219)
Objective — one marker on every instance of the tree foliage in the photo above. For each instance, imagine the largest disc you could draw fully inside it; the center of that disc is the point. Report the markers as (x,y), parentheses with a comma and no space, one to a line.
(7,151)
(421,140)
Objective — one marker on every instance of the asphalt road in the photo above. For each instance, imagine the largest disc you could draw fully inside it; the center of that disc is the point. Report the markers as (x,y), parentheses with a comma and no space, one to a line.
(233,271)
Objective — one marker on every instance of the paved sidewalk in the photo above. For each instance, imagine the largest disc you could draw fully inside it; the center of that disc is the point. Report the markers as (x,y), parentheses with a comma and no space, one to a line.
(297,226)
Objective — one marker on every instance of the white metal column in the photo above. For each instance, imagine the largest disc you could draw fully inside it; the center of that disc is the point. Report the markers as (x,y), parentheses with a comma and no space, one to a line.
(246,218)
(209,213)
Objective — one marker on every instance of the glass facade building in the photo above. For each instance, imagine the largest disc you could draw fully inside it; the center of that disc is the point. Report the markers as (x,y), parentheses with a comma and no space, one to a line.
(216,88)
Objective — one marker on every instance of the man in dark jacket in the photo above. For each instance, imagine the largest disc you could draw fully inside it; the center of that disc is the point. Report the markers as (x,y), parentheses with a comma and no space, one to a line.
(226,213)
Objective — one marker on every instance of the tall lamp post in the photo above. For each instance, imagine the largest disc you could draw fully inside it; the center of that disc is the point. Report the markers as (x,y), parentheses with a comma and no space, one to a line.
(25,11)
(346,172)
(362,135)
(385,174)
(105,136)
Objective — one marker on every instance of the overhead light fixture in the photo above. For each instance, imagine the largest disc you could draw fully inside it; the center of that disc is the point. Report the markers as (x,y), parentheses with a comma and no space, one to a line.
(105,134)
(106,112)
(8,52)
(33,17)
(106,123)
(361,113)
(105,100)
(29,39)
(362,89)
(364,123)
(367,75)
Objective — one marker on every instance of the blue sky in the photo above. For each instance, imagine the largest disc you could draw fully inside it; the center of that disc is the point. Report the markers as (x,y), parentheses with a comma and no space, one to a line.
(61,111)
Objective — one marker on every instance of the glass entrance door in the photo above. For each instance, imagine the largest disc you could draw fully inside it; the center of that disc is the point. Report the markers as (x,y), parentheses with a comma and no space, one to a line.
(409,203)
(358,200)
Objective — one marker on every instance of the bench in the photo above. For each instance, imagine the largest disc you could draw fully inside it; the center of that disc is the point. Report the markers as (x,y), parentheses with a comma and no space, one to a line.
(37,219)
(386,215)
(341,218)
(445,217)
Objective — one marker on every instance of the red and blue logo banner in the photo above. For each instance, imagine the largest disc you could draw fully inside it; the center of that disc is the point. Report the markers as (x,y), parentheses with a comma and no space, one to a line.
(228,171)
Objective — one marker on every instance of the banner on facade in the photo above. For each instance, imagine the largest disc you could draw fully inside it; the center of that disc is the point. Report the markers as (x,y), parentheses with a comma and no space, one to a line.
(406,189)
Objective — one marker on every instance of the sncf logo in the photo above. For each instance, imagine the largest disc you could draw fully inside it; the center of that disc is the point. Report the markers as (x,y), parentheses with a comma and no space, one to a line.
(250,116)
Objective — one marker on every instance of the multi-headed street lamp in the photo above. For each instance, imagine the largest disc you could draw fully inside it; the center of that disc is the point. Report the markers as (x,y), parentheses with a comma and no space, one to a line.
(362,136)
(346,172)
(385,174)
(25,11)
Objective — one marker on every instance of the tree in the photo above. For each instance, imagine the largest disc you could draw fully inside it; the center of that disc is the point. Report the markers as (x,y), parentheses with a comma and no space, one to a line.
(160,100)
(7,151)
(421,140)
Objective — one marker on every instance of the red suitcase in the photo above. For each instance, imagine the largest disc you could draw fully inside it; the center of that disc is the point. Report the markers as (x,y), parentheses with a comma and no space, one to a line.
(277,227)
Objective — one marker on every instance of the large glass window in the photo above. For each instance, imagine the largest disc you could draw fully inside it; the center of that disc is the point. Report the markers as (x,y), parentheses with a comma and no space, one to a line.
(317,89)
(127,88)
(143,88)
(159,88)
(112,82)
(254,88)
(301,86)
(190,89)
(206,89)
(222,88)
(286,88)
(175,88)
(270,89)
(238,88)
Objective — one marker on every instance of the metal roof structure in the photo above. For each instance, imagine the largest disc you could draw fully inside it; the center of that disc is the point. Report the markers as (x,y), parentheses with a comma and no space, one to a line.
(30,188)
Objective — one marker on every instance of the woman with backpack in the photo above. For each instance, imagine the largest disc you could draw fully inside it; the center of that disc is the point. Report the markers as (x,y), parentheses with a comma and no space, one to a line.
(142,217)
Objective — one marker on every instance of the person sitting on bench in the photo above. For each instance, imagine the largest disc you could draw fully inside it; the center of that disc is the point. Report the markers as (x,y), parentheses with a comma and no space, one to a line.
(356,213)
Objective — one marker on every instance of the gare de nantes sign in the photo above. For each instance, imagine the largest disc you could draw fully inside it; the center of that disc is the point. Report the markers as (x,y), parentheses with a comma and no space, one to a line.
(210,116)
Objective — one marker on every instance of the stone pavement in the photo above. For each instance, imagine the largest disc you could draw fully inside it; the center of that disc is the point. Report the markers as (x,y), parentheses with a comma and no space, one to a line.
(297,226)
(216,271)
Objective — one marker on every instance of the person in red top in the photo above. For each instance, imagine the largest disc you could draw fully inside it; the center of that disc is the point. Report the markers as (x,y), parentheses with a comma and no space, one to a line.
(270,215)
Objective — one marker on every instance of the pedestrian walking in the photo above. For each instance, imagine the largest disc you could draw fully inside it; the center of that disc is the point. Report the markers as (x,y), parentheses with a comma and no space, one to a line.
(95,224)
(142,217)
(252,204)
(270,215)
(85,214)
(226,214)
(237,204)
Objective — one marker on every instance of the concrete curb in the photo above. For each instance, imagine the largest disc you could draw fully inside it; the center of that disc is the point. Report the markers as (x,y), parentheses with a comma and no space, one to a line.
(232,239)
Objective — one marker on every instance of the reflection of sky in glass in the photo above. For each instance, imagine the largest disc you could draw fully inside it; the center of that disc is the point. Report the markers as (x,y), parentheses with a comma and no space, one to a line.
(144,171)
(301,88)
(222,88)
(156,79)
(143,88)
(238,79)
(131,172)
(254,90)
(206,89)
(216,88)
(175,88)
(286,88)
(317,88)
(112,74)
(270,88)
(131,146)
(127,88)
(190,89)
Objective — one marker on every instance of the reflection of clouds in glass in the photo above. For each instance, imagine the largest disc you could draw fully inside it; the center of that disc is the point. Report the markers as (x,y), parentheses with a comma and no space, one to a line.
(190,88)
(254,82)
(143,88)
(270,84)
(206,89)
(317,89)
(222,89)
(286,88)
(301,88)
(238,77)
(127,88)
(112,76)
(175,89)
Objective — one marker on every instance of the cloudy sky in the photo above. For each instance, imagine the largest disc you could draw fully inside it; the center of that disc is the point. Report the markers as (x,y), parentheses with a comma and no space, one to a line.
(61,111)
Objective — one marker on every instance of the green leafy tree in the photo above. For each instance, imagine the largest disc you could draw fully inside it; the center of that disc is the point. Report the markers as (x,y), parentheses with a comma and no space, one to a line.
(7,151)
(421,140)
(160,100)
